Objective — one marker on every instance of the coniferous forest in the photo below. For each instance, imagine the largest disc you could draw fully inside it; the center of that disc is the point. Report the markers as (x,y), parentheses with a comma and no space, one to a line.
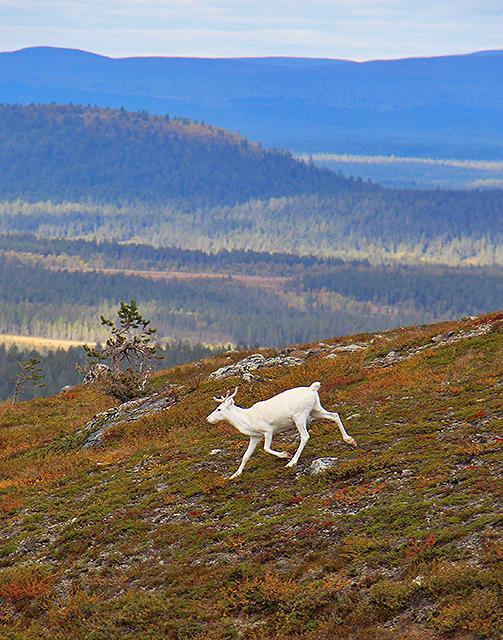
(58,367)
(219,240)
(80,172)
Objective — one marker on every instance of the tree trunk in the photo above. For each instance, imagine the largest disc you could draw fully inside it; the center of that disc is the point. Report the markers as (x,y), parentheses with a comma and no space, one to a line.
(16,390)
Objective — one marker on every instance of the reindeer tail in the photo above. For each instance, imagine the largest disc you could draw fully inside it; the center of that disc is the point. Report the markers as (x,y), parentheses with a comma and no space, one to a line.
(315,386)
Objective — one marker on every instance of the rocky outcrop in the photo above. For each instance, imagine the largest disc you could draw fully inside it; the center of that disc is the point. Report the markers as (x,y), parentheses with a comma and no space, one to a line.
(346,348)
(320,465)
(125,412)
(288,357)
(440,340)
(252,363)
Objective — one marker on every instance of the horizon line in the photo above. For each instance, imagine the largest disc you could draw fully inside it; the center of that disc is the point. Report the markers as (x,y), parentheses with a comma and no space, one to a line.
(263,57)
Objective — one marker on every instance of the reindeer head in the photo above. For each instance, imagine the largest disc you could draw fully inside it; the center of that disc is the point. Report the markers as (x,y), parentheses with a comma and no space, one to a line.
(225,403)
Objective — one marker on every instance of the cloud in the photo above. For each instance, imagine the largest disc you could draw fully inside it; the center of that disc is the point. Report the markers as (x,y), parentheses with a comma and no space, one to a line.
(358,29)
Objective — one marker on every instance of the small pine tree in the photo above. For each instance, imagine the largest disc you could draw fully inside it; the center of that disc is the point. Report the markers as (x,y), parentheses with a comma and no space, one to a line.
(131,343)
(29,372)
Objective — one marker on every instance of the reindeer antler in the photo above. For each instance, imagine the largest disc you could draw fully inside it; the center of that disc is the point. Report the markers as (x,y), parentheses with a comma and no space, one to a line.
(227,396)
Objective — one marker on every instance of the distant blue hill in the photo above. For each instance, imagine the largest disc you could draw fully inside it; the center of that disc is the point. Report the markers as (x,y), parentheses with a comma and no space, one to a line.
(447,106)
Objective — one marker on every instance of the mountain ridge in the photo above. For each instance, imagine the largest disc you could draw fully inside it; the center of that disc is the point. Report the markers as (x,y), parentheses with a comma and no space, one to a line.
(77,152)
(36,48)
(414,106)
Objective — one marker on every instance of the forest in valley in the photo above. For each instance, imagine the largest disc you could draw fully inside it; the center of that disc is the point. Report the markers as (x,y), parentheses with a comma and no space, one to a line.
(58,367)
(109,174)
(63,304)
(343,226)
(219,240)
(57,288)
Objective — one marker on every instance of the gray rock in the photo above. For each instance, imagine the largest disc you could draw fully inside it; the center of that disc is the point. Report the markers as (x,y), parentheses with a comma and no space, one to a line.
(251,363)
(436,341)
(345,348)
(314,351)
(66,388)
(125,412)
(321,464)
(350,347)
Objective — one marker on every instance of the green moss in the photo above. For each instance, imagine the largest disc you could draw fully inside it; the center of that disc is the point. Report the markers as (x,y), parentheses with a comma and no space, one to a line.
(8,549)
(393,595)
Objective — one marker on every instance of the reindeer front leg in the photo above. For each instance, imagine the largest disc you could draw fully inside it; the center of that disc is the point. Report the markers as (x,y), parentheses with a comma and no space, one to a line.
(254,440)
(267,447)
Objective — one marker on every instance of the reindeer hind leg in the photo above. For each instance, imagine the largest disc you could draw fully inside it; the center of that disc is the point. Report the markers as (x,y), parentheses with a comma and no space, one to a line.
(323,414)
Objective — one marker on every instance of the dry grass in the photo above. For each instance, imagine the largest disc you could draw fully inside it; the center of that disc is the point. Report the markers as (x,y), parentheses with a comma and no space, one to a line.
(145,538)
(43,345)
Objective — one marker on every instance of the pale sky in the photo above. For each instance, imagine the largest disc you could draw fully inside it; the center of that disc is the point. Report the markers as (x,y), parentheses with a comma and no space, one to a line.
(358,30)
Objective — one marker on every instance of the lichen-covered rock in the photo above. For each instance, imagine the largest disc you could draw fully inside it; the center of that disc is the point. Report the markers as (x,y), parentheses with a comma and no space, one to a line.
(345,348)
(125,412)
(321,464)
(350,347)
(441,340)
(251,363)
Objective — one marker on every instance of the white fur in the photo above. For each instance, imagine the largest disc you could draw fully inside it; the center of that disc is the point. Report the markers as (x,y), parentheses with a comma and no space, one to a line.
(296,407)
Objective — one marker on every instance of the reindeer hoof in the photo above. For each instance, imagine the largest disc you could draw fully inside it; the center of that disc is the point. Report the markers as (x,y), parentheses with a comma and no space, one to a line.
(351,441)
(234,476)
(284,454)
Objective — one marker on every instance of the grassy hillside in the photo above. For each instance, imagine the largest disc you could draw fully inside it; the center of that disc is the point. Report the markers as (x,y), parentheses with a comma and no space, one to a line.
(145,538)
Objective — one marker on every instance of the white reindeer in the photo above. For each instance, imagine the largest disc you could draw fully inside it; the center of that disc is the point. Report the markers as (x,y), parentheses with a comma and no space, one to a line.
(296,407)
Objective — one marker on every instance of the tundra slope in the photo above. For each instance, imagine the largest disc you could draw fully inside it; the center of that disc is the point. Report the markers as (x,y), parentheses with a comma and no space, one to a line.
(143,537)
